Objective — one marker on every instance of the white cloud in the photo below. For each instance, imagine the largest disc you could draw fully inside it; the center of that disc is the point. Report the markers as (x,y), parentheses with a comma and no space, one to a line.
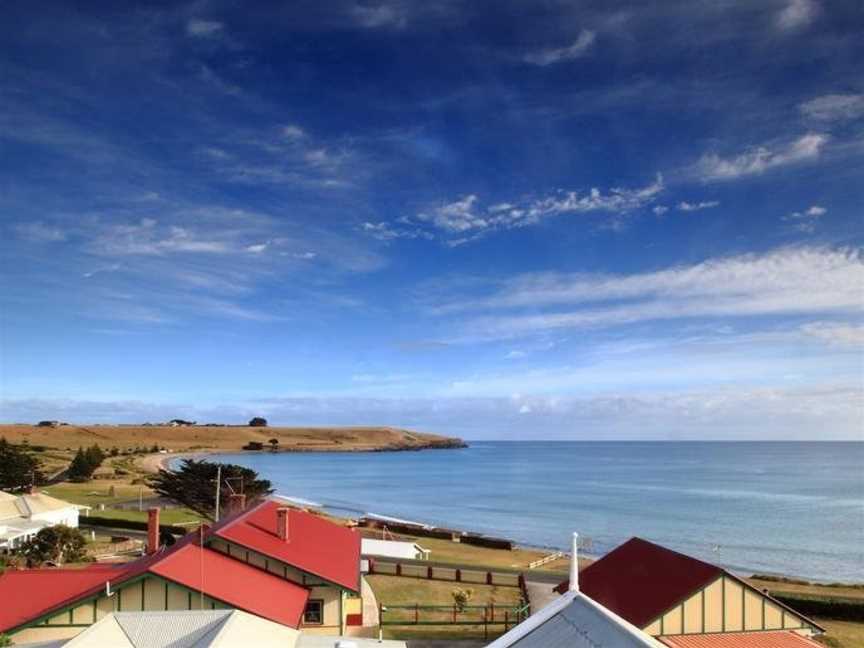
(555,55)
(465,220)
(617,200)
(515,354)
(39,232)
(257,248)
(384,231)
(292,132)
(760,159)
(805,221)
(690,207)
(723,414)
(788,281)
(660,209)
(796,14)
(836,333)
(834,107)
(147,238)
(199,28)
(380,15)
(457,216)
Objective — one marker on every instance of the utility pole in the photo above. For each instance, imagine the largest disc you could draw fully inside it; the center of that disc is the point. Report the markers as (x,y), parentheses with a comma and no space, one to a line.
(218,483)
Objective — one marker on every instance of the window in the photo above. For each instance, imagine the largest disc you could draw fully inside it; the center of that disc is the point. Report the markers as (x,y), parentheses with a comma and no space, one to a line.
(314,612)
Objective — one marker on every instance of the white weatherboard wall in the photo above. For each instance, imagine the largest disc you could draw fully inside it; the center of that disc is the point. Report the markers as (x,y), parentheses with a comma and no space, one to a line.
(391,549)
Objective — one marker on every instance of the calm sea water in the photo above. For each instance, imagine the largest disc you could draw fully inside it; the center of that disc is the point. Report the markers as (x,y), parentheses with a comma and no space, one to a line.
(787,508)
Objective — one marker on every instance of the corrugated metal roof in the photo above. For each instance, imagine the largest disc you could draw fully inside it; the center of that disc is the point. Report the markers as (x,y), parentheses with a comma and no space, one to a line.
(184,629)
(769,639)
(320,641)
(316,546)
(575,621)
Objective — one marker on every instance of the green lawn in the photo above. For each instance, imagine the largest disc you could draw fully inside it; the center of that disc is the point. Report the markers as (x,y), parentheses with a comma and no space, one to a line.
(842,634)
(96,492)
(178,516)
(396,590)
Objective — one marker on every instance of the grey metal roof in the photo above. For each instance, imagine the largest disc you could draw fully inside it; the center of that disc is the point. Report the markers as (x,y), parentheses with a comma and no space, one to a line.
(575,621)
(172,629)
(321,641)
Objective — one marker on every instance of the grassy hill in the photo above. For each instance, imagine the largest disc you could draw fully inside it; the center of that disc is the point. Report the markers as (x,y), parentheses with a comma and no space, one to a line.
(204,438)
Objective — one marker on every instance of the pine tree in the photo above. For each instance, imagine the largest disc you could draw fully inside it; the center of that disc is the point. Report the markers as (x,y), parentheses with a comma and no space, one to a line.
(19,469)
(81,469)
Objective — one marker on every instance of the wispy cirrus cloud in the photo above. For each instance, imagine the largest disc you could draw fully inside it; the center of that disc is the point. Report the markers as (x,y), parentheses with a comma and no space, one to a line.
(467,219)
(796,14)
(838,333)
(790,281)
(39,231)
(575,50)
(834,107)
(685,206)
(379,15)
(200,28)
(757,160)
(806,220)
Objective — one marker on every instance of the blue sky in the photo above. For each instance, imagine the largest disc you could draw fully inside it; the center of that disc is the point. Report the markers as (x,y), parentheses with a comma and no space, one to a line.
(499,220)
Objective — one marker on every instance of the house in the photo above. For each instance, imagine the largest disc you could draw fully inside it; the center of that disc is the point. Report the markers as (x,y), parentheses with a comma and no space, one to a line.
(668,595)
(287,566)
(303,548)
(23,516)
(200,629)
(573,620)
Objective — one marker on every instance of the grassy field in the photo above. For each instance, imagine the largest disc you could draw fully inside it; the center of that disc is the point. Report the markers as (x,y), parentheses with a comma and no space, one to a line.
(455,552)
(842,634)
(793,587)
(395,590)
(98,491)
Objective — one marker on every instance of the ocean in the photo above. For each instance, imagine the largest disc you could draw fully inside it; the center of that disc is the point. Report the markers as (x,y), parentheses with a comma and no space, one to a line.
(781,508)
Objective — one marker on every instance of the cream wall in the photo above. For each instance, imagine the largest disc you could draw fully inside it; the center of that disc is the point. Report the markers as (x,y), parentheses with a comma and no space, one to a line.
(726,605)
(150,593)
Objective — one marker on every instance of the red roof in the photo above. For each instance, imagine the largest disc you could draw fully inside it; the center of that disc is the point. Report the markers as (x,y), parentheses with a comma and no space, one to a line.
(639,580)
(32,593)
(235,583)
(770,639)
(29,593)
(315,545)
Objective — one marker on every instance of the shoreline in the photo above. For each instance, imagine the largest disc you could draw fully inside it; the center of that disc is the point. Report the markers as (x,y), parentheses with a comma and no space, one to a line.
(153,462)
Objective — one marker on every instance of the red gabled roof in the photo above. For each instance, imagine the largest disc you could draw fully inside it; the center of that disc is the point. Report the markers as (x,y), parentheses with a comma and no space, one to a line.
(235,583)
(315,545)
(770,639)
(32,593)
(29,593)
(639,580)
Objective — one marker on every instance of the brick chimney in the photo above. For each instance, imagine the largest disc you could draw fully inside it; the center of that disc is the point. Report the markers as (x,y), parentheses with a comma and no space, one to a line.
(282,523)
(152,530)
(236,502)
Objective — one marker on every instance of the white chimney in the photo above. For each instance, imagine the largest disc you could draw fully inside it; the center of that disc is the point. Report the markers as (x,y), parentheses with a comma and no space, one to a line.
(574,564)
